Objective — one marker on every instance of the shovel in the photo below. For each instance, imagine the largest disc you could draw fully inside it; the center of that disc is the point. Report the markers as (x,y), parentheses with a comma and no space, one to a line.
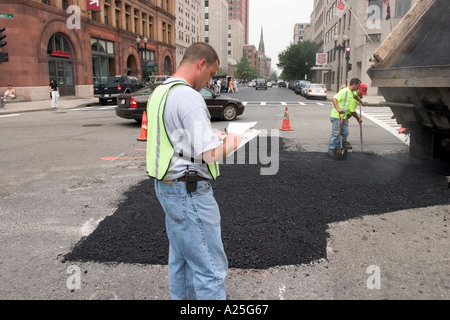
(341,154)
(360,129)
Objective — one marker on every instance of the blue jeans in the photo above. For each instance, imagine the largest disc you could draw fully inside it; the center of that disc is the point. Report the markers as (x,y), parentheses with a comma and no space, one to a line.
(197,261)
(335,140)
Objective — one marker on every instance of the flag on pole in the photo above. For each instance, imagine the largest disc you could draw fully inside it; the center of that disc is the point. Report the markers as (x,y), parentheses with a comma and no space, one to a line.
(388,10)
(93,4)
(340,8)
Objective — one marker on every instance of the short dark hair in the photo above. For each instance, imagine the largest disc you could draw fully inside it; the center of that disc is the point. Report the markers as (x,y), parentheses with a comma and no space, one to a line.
(201,50)
(355,81)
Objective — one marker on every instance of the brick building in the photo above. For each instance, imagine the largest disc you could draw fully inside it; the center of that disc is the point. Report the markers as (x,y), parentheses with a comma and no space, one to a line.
(63,40)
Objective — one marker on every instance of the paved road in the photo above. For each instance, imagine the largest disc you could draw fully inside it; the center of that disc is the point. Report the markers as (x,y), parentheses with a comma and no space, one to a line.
(74,186)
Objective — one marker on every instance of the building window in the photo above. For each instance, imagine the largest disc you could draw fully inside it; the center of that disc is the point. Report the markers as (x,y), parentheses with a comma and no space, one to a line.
(402,7)
(374,37)
(103,60)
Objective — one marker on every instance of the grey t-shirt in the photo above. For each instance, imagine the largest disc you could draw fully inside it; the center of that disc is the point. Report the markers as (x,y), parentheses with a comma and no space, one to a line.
(188,124)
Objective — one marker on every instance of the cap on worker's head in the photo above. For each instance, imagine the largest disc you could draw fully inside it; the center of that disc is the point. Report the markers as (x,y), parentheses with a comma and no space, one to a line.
(363,89)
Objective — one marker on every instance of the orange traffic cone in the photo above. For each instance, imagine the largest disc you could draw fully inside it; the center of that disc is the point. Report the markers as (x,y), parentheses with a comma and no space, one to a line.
(143,136)
(286,122)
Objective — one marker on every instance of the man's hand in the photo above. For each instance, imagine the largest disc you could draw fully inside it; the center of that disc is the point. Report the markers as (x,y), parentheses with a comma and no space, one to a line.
(230,143)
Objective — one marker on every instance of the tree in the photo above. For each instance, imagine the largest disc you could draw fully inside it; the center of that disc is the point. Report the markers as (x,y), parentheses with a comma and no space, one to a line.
(297,59)
(272,77)
(245,71)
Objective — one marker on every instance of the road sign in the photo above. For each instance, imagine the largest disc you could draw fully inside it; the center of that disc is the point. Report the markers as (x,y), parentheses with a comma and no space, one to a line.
(6,16)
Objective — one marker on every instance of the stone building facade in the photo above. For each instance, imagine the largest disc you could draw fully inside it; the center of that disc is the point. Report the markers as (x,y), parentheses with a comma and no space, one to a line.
(63,40)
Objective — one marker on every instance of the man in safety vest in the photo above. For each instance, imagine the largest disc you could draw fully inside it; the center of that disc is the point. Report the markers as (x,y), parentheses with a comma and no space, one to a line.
(182,155)
(343,106)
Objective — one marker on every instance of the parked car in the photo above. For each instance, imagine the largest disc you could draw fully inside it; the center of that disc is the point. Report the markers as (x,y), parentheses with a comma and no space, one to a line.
(316,90)
(303,89)
(115,86)
(225,108)
(261,83)
(301,85)
(281,84)
(132,106)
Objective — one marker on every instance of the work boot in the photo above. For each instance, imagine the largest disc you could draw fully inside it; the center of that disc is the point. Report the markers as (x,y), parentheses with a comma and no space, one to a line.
(347,145)
(331,154)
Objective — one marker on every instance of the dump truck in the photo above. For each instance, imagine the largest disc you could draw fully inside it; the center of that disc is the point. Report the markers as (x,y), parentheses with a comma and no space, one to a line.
(412,71)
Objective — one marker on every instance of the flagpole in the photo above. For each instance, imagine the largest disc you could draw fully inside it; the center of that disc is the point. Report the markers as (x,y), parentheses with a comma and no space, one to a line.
(345,2)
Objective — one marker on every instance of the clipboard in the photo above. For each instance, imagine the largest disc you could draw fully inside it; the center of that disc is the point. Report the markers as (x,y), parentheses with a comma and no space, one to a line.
(243,130)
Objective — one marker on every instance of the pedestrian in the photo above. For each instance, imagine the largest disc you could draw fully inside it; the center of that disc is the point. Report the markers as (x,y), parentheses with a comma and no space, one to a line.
(343,105)
(235,85)
(54,92)
(219,85)
(182,155)
(10,92)
(230,86)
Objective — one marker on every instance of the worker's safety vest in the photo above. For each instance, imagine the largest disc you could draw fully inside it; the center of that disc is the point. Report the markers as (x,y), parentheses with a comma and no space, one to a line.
(159,147)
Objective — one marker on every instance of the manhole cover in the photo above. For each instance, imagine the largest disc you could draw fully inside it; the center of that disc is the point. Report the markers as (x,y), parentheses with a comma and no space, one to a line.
(92,125)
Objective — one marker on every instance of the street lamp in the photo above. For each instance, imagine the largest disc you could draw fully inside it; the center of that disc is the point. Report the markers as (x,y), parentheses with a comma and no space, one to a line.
(339,48)
(142,50)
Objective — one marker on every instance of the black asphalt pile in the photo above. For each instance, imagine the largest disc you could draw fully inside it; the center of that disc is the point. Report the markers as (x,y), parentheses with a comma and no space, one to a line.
(270,220)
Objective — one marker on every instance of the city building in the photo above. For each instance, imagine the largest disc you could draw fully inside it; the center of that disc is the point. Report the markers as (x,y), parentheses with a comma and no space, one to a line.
(239,10)
(299,30)
(67,41)
(251,54)
(216,29)
(190,25)
(361,26)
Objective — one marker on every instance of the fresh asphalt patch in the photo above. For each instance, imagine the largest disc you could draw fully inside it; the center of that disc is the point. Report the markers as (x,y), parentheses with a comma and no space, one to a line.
(272,220)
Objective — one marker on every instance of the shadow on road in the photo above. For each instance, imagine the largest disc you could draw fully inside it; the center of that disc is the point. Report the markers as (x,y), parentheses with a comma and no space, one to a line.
(274,220)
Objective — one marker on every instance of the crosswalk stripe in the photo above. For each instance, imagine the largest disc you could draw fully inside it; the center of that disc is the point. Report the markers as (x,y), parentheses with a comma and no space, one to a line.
(10,115)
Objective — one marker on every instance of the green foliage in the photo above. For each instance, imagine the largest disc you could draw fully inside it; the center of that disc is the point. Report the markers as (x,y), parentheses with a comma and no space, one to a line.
(272,77)
(245,71)
(220,71)
(297,59)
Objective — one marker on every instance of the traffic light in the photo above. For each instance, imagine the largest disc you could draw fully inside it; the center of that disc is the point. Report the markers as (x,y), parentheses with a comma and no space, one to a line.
(2,36)
(347,53)
(349,67)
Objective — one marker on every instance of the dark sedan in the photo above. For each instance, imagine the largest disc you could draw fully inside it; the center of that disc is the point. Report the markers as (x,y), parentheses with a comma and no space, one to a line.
(132,106)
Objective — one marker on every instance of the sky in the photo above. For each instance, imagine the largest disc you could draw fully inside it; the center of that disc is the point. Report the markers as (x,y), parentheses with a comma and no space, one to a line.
(277,18)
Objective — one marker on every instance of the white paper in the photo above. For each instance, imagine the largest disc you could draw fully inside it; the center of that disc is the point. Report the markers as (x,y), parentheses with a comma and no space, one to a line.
(244,131)
(239,128)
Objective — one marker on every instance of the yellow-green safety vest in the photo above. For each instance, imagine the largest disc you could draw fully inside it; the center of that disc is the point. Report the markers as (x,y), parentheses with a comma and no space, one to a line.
(159,146)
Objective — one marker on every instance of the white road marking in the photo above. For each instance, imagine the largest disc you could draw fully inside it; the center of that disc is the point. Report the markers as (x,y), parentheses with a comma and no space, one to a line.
(10,115)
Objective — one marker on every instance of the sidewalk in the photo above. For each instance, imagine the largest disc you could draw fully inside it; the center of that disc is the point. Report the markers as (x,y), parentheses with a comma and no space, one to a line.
(42,105)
